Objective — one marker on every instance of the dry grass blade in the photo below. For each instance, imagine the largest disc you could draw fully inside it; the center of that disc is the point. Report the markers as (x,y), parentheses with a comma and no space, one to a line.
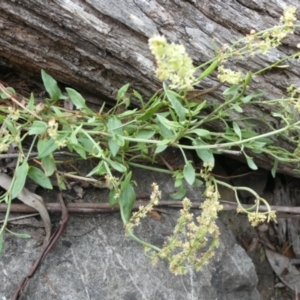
(32,200)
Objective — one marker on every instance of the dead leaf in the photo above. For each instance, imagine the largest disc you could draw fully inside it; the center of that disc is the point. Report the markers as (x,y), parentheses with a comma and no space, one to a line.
(155,215)
(263,227)
(253,245)
(79,191)
(32,200)
(287,250)
(244,244)
(68,104)
(283,268)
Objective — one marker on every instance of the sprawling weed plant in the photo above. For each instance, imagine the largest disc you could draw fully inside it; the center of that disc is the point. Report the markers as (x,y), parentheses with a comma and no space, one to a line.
(120,139)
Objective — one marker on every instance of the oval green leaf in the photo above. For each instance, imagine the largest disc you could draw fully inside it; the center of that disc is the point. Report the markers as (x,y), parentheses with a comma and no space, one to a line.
(127,198)
(19,183)
(180,194)
(51,86)
(37,127)
(189,173)
(177,106)
(48,165)
(118,167)
(76,98)
(39,177)
(46,147)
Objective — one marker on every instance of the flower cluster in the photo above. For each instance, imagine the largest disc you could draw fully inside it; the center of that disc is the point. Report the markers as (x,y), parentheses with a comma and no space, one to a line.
(173,63)
(144,210)
(294,97)
(206,170)
(288,18)
(256,218)
(227,75)
(13,114)
(184,249)
(272,38)
(6,139)
(52,129)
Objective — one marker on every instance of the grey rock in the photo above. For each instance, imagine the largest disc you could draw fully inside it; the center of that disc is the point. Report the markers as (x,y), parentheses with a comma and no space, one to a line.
(95,260)
(104,264)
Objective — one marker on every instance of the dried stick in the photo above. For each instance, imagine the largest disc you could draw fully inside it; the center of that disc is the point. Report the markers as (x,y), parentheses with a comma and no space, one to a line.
(105,207)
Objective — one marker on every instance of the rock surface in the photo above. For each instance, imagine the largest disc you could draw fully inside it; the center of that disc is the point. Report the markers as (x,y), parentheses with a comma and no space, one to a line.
(95,260)
(104,264)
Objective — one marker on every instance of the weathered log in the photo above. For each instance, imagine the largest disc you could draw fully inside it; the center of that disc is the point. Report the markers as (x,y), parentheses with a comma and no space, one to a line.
(98,46)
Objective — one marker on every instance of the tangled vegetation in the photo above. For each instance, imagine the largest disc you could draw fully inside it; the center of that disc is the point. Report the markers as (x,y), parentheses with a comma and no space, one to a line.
(120,138)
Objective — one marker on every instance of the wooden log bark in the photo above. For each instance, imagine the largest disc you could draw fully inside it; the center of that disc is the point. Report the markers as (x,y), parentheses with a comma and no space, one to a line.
(98,46)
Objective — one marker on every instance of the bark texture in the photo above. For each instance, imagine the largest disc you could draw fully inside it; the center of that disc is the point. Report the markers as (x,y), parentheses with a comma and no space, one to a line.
(98,45)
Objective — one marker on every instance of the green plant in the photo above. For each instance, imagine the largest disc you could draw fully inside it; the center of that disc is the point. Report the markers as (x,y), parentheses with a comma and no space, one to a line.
(119,140)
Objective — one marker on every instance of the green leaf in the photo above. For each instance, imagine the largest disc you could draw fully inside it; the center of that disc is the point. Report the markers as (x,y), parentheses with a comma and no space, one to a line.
(99,170)
(126,180)
(10,90)
(165,132)
(201,132)
(250,162)
(57,112)
(11,127)
(178,178)
(180,194)
(73,139)
(80,151)
(127,198)
(19,235)
(232,90)
(178,183)
(61,182)
(113,147)
(251,96)
(177,106)
(198,183)
(247,133)
(76,98)
(39,177)
(237,129)
(112,200)
(237,108)
(86,143)
(48,165)
(144,134)
(1,241)
(122,91)
(46,147)
(160,148)
(115,125)
(256,145)
(51,86)
(274,168)
(19,183)
(38,127)
(119,139)
(209,70)
(128,113)
(167,123)
(31,103)
(189,173)
(150,112)
(205,154)
(117,166)
(138,95)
